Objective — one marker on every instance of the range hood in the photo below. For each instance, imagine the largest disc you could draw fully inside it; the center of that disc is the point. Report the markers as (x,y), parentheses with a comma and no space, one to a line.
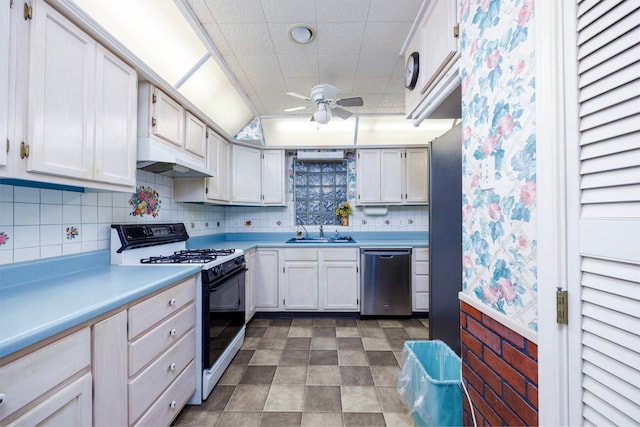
(158,157)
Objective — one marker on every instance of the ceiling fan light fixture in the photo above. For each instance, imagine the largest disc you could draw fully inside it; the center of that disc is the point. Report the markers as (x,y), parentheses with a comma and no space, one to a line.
(302,33)
(323,115)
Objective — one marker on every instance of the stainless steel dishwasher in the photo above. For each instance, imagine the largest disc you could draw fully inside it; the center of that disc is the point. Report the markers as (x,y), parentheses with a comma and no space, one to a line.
(385,284)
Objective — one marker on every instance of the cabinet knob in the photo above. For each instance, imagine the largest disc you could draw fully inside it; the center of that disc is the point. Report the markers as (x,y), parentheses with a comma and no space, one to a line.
(172,367)
(173,404)
(2,398)
(172,301)
(173,332)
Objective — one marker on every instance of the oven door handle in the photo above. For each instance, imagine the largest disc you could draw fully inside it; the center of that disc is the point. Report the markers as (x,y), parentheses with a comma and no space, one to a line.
(216,283)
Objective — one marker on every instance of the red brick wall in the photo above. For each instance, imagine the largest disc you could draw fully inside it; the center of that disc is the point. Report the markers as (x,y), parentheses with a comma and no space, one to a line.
(500,370)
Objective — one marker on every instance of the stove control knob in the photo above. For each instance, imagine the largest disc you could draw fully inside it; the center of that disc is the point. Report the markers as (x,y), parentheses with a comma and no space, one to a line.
(239,260)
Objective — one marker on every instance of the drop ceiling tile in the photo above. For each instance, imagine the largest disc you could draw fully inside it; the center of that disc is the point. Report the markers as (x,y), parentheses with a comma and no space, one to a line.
(340,38)
(304,11)
(376,65)
(259,65)
(393,10)
(217,37)
(383,37)
(342,11)
(298,65)
(370,84)
(236,12)
(248,39)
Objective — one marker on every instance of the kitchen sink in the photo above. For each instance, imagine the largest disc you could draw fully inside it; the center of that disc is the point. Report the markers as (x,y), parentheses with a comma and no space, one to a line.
(340,239)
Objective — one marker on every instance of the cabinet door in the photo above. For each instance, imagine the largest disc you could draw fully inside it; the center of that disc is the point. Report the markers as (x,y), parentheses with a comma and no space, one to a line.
(4,81)
(195,136)
(340,285)
(273,177)
(246,170)
(438,43)
(116,120)
(391,175)
(250,286)
(70,406)
(417,164)
(266,279)
(217,187)
(61,96)
(300,286)
(168,117)
(368,175)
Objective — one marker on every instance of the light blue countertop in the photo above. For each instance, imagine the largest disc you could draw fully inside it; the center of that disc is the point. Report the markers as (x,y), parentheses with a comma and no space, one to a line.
(248,241)
(39,299)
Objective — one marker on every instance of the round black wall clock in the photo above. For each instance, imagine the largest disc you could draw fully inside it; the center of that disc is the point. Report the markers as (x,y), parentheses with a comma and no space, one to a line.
(411,71)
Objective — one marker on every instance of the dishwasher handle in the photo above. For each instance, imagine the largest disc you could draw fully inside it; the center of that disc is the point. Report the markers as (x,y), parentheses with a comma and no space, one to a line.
(385,253)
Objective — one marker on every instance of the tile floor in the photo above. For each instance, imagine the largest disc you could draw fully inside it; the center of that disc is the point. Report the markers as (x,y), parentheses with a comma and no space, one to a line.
(312,372)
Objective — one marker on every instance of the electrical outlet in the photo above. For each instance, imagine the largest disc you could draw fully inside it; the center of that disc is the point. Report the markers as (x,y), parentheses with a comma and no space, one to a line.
(488,173)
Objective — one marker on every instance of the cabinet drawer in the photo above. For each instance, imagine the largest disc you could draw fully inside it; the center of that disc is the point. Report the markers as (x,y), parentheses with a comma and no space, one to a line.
(422,267)
(169,404)
(422,283)
(300,254)
(151,383)
(421,254)
(27,378)
(149,345)
(340,254)
(422,300)
(149,312)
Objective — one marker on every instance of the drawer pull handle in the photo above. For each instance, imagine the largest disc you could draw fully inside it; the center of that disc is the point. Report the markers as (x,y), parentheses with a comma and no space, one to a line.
(172,367)
(173,404)
(172,301)
(173,332)
(2,398)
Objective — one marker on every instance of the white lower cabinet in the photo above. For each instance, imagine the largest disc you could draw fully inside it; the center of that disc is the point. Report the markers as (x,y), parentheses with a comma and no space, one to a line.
(339,279)
(299,279)
(266,280)
(250,285)
(49,385)
(420,279)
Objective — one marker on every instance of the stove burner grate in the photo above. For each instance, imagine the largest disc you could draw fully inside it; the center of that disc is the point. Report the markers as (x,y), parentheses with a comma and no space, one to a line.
(193,256)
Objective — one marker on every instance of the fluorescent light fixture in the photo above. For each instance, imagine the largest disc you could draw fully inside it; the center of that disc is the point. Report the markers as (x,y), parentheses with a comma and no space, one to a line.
(321,155)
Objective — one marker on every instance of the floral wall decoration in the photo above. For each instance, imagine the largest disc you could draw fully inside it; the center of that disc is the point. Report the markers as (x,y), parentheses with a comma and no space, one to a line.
(3,238)
(72,232)
(498,119)
(146,201)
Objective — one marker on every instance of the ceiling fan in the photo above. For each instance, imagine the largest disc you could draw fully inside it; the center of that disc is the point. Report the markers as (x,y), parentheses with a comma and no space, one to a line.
(324,96)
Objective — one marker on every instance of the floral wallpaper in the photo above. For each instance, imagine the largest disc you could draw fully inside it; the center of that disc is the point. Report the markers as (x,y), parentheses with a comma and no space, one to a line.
(498,119)
(252,131)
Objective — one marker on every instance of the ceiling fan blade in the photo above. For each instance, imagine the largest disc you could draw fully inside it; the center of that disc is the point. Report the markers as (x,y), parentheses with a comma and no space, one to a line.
(356,101)
(288,110)
(297,95)
(341,112)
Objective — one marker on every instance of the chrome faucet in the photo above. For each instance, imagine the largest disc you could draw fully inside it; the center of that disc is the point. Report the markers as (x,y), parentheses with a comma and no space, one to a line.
(321,232)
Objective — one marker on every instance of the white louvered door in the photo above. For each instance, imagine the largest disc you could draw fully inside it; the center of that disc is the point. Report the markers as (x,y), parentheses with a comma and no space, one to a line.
(608,291)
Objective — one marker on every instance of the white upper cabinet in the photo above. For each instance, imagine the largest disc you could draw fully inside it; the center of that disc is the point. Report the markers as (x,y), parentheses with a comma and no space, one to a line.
(160,116)
(392,176)
(195,135)
(246,174)
(217,187)
(74,109)
(417,175)
(273,177)
(436,42)
(257,176)
(4,81)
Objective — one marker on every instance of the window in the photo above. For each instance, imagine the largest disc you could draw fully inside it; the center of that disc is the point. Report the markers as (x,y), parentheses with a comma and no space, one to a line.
(319,187)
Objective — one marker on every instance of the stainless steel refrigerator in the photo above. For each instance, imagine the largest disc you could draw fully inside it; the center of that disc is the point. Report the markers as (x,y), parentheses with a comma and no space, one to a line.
(445,237)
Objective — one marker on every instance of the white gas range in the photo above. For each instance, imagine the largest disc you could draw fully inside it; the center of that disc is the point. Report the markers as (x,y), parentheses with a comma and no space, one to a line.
(220,300)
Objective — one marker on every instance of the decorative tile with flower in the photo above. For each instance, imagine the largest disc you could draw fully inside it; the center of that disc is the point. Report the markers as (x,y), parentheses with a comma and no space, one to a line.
(319,187)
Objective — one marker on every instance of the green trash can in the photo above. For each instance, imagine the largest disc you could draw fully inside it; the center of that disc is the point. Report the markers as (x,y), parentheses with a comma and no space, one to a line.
(429,383)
